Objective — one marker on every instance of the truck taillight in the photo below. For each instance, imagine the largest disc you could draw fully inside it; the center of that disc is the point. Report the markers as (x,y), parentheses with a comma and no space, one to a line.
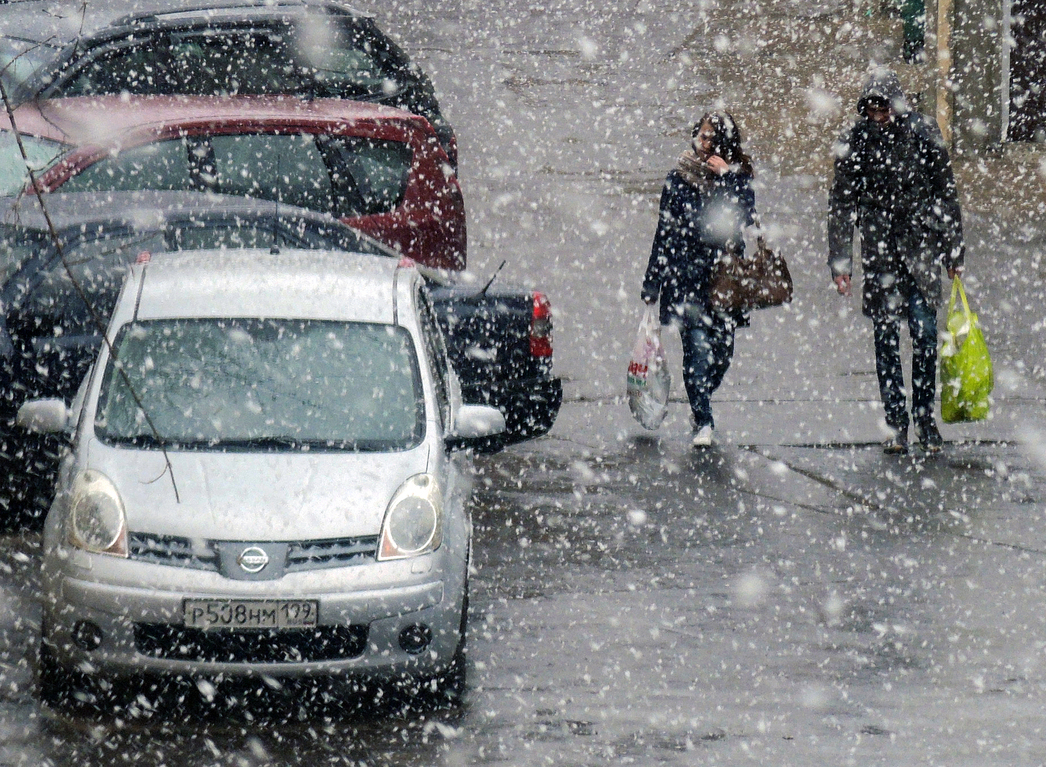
(541,327)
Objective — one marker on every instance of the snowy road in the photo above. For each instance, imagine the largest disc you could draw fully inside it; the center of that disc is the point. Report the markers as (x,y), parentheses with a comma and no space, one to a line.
(790,597)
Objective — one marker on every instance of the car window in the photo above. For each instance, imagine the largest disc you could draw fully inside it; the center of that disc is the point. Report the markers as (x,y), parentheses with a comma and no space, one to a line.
(190,63)
(210,236)
(17,245)
(92,265)
(253,384)
(243,232)
(320,58)
(284,168)
(345,61)
(42,153)
(162,165)
(370,175)
(19,59)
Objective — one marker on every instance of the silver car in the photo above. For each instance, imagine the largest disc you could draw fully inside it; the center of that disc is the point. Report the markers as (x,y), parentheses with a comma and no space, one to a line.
(262,481)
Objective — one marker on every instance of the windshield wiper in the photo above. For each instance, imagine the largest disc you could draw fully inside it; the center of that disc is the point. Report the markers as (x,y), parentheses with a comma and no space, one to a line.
(261,443)
(146,439)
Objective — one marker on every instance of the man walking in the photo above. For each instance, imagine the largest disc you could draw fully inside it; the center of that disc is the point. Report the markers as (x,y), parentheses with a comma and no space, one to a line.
(894,180)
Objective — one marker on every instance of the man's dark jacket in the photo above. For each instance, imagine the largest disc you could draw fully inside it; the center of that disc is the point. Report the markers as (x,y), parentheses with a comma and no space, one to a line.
(896,183)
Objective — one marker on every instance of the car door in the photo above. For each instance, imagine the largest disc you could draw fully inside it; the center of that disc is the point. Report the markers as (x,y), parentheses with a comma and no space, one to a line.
(401,193)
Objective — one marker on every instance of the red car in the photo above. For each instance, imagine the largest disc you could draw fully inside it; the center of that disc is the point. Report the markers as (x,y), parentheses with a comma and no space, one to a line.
(376,168)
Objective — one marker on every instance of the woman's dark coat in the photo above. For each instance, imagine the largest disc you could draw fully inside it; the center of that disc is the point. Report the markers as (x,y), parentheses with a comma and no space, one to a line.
(896,183)
(693,230)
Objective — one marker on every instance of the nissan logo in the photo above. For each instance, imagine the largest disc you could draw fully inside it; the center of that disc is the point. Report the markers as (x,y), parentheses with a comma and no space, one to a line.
(252,559)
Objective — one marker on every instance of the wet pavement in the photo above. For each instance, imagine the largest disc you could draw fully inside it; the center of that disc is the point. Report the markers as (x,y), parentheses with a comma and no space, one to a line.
(789,596)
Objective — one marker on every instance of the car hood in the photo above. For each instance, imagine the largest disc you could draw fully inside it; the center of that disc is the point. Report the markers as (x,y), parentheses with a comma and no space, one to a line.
(256,496)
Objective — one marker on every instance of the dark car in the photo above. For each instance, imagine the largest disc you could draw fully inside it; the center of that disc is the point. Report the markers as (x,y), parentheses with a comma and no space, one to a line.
(377,168)
(54,307)
(308,48)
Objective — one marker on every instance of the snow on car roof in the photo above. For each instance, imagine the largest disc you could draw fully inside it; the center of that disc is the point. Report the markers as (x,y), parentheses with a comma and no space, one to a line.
(295,284)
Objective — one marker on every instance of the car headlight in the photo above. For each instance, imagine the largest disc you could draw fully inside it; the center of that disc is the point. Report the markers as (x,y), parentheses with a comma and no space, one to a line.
(96,521)
(414,520)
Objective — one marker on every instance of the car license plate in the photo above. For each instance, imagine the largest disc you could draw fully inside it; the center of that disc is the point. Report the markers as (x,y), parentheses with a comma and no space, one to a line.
(251,613)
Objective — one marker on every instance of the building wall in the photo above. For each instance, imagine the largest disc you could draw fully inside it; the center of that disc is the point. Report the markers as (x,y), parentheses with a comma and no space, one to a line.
(976,88)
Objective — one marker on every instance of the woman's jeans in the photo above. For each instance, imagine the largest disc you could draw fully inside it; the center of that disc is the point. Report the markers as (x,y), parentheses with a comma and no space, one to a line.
(922,325)
(708,346)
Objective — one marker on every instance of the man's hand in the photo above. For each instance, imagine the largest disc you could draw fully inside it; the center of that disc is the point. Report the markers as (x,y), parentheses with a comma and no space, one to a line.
(842,284)
(954,271)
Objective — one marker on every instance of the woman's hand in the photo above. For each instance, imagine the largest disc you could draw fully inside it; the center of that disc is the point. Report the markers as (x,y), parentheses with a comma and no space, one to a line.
(717,164)
(842,284)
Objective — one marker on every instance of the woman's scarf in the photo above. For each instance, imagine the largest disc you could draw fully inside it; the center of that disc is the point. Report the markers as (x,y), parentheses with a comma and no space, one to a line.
(695,171)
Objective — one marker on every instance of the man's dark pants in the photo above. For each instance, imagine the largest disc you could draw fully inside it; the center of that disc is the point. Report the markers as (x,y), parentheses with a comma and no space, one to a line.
(922,325)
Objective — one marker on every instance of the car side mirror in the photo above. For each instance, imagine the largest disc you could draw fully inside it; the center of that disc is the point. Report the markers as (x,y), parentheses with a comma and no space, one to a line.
(44,416)
(474,425)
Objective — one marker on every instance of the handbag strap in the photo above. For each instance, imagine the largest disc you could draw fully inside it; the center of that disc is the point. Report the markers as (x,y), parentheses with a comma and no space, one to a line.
(757,222)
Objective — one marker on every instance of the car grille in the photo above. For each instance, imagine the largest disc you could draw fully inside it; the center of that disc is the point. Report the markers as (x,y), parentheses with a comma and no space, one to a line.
(177,551)
(322,643)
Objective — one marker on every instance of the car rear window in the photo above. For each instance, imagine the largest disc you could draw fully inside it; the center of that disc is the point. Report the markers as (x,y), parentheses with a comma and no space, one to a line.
(262,385)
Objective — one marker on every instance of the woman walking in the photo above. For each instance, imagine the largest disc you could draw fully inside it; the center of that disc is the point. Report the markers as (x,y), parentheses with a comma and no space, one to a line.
(706,203)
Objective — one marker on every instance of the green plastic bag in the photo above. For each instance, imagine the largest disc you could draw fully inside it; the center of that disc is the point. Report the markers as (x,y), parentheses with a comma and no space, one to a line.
(966,366)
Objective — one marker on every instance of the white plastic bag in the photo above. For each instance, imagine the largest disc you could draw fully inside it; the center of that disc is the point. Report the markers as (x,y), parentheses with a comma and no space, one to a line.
(648,376)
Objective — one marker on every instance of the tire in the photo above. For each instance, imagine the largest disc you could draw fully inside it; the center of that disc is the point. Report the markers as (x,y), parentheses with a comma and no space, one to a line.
(448,687)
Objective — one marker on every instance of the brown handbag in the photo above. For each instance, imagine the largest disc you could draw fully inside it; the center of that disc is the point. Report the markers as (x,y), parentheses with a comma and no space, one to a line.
(743,283)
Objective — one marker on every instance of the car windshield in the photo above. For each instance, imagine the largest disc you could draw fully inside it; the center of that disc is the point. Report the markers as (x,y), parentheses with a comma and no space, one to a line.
(262,385)
(42,153)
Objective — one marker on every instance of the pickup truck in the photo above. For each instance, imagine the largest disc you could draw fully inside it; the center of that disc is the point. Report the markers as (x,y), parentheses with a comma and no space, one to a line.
(498,338)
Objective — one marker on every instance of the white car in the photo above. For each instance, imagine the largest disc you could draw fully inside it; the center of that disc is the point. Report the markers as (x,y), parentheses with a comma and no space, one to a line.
(262,481)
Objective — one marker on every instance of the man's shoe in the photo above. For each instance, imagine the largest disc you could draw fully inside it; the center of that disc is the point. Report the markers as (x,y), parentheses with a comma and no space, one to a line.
(702,437)
(929,437)
(897,444)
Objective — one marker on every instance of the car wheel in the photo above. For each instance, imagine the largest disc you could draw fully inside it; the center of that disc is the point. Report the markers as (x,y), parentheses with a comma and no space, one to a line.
(448,686)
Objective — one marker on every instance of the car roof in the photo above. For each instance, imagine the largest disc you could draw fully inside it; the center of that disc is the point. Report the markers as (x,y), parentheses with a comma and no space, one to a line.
(108,120)
(298,284)
(59,22)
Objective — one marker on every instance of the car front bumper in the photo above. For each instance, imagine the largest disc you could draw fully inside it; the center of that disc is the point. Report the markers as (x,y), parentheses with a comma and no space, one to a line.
(114,627)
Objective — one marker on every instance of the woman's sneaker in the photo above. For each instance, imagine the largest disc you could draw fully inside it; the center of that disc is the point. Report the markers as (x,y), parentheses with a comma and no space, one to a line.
(702,437)
(929,437)
(897,444)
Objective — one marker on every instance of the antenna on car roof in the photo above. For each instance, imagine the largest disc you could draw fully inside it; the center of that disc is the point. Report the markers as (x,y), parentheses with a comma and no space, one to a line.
(492,278)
